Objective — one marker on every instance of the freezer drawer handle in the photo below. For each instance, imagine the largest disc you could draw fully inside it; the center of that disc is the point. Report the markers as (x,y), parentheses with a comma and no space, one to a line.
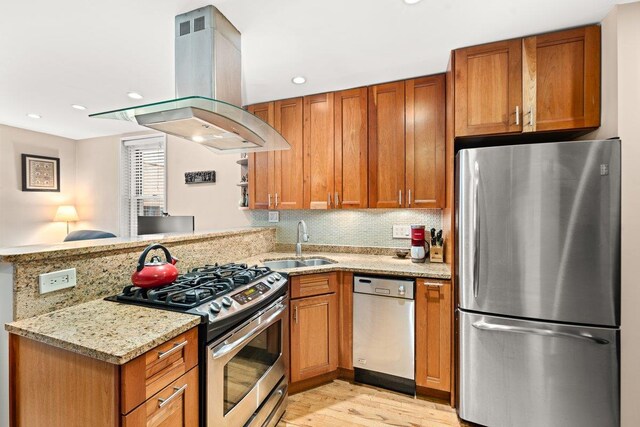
(484,326)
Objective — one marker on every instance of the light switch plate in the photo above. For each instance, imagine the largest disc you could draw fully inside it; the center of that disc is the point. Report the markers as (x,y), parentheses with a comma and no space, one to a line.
(401,232)
(57,280)
(274,216)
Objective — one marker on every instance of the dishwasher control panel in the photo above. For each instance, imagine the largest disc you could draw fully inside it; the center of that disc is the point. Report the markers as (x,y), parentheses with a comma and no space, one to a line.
(398,288)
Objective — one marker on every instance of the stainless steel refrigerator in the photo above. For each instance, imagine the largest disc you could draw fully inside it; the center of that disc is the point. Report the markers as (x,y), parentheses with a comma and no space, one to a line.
(539,275)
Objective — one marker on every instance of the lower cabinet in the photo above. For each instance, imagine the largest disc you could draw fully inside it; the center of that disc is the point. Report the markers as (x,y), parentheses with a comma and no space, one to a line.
(433,334)
(314,329)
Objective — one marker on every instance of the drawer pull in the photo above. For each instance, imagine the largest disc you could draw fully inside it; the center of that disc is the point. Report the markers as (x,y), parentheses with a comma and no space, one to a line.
(432,284)
(177,392)
(176,347)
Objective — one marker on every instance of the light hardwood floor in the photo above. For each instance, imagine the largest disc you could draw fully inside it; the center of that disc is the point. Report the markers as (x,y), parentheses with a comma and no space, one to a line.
(342,404)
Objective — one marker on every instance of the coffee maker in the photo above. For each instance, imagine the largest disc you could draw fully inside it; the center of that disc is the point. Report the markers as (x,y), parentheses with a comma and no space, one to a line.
(418,250)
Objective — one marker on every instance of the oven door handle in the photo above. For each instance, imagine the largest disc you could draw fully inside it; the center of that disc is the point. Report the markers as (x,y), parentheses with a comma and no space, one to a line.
(263,322)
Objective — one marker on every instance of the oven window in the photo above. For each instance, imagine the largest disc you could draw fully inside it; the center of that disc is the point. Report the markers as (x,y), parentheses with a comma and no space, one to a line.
(247,367)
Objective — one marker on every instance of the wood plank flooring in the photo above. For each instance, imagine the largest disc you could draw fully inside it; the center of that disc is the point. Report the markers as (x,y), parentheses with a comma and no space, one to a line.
(344,404)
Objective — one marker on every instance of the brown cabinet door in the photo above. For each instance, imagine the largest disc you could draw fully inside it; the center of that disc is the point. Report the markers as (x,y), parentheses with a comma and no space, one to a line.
(562,80)
(261,165)
(386,145)
(288,189)
(314,336)
(488,89)
(174,406)
(433,334)
(425,145)
(351,149)
(319,169)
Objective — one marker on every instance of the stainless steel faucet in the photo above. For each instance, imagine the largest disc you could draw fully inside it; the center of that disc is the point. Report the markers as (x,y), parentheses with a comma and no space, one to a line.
(305,237)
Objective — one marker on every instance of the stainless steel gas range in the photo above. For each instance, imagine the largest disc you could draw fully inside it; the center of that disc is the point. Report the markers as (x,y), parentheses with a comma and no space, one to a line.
(243,360)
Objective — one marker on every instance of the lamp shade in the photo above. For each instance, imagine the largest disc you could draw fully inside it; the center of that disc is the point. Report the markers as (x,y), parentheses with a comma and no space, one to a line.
(66,213)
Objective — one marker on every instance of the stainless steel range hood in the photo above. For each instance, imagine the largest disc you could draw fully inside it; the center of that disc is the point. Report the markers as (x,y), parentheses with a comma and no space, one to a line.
(208,91)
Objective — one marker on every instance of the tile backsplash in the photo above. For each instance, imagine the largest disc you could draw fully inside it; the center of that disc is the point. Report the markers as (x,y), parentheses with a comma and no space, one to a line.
(366,227)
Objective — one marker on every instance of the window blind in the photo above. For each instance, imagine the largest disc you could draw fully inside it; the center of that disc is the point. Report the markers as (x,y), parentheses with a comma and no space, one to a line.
(143,177)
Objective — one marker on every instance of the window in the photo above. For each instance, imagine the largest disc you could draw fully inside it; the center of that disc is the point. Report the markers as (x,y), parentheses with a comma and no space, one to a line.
(143,173)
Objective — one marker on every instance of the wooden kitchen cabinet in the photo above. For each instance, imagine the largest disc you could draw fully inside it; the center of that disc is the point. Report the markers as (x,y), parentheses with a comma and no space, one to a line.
(386,145)
(158,388)
(319,156)
(288,175)
(262,165)
(488,88)
(561,80)
(314,336)
(425,142)
(433,334)
(548,82)
(351,149)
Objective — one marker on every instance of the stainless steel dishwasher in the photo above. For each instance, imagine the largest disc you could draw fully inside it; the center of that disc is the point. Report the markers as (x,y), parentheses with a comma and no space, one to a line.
(384,332)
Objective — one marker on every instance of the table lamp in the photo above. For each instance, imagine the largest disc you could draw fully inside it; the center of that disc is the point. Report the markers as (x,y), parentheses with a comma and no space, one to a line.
(66,213)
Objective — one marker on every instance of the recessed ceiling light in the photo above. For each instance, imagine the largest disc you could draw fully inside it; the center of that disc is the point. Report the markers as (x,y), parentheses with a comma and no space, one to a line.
(197,138)
(412,1)
(79,107)
(134,95)
(34,116)
(299,80)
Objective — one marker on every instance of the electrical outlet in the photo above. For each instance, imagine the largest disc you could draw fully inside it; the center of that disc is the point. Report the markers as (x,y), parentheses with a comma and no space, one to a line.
(274,216)
(401,232)
(57,280)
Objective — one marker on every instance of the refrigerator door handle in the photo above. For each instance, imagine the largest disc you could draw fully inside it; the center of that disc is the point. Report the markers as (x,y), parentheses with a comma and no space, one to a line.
(484,326)
(476,224)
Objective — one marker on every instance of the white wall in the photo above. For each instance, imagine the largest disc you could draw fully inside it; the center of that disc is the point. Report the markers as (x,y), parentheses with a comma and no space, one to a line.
(26,217)
(214,206)
(629,130)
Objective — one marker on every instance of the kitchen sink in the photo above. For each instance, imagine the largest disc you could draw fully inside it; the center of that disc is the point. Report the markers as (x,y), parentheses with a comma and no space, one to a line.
(284,263)
(296,263)
(317,261)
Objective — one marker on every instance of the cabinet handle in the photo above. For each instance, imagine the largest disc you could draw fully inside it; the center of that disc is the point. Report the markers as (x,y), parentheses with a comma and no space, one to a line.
(269,200)
(328,200)
(517,115)
(400,197)
(276,200)
(531,120)
(176,347)
(433,285)
(337,200)
(295,314)
(409,197)
(177,392)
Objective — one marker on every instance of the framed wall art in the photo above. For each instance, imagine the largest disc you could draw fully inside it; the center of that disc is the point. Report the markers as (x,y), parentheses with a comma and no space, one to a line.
(40,173)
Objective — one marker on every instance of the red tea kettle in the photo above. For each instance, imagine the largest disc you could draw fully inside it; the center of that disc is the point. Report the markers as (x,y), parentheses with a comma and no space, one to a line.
(156,272)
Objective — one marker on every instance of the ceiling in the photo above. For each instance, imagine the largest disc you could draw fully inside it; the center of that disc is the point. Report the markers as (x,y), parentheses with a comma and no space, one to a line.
(57,53)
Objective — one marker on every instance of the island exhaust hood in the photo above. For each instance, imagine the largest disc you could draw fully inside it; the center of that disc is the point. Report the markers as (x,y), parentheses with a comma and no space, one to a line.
(208,91)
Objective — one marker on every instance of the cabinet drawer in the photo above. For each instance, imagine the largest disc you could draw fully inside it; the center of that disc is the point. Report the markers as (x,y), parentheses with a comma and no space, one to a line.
(313,284)
(151,372)
(175,405)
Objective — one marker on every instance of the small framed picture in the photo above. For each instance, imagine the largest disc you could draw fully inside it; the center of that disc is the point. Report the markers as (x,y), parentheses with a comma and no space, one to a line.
(40,173)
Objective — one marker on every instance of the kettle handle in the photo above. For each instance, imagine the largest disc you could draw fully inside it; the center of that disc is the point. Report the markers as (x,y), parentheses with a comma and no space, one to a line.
(143,255)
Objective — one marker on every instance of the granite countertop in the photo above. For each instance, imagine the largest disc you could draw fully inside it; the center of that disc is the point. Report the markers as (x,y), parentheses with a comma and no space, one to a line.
(67,249)
(362,263)
(105,330)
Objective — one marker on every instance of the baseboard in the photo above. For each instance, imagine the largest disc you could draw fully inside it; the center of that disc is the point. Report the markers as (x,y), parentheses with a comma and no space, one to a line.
(310,383)
(431,393)
(346,374)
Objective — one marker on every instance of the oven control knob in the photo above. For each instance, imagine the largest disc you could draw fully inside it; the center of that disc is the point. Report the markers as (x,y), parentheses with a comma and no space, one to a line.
(277,276)
(226,302)
(271,280)
(214,307)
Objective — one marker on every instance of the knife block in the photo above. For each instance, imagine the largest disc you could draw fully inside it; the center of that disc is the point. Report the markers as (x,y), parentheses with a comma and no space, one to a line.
(436,254)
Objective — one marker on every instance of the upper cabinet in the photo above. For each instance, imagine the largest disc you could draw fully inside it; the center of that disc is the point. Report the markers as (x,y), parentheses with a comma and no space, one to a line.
(549,82)
(561,80)
(351,149)
(386,145)
(425,142)
(488,88)
(319,163)
(261,165)
(288,164)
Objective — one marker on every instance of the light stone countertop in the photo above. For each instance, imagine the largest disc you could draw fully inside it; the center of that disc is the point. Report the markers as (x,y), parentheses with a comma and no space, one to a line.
(105,330)
(361,263)
(117,333)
